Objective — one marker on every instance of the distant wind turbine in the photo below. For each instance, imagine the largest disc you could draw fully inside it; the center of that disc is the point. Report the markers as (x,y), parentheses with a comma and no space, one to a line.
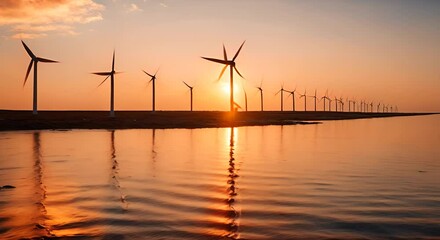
(293,98)
(314,96)
(245,100)
(261,94)
(281,91)
(305,99)
(378,107)
(231,64)
(34,61)
(325,98)
(153,80)
(191,94)
(110,74)
(349,104)
(342,104)
(336,103)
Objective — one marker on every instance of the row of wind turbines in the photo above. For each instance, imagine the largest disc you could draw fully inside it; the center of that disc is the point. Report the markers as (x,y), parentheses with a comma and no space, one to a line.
(362,106)
(339,103)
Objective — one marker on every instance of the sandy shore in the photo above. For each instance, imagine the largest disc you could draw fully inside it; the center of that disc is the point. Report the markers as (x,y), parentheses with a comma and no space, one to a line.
(24,120)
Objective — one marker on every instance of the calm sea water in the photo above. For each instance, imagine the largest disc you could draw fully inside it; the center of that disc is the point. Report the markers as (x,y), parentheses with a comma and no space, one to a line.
(363,179)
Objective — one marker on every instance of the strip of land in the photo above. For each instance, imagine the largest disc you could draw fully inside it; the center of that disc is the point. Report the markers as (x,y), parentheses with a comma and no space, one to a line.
(25,120)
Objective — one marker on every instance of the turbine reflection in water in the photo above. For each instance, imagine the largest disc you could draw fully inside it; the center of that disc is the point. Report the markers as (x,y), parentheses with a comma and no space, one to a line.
(233,214)
(40,188)
(114,173)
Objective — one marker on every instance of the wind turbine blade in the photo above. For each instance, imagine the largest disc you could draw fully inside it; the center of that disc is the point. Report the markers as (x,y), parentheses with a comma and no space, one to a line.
(278,92)
(28,71)
(102,73)
(156,71)
(113,61)
(224,53)
(221,73)
(238,72)
(236,104)
(186,84)
(46,60)
(216,60)
(147,73)
(104,80)
(238,51)
(31,54)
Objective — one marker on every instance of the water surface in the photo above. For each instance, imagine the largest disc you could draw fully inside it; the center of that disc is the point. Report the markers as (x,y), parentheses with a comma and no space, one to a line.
(364,179)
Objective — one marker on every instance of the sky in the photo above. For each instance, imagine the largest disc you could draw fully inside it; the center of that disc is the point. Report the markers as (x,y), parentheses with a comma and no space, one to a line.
(384,51)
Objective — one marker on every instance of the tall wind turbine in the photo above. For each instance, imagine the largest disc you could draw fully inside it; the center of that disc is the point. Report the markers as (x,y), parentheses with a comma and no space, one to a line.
(378,107)
(110,74)
(314,96)
(34,61)
(305,99)
(281,91)
(191,94)
(336,103)
(231,64)
(261,95)
(153,80)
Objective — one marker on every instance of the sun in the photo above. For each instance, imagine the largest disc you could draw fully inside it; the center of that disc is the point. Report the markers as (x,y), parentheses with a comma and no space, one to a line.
(227,90)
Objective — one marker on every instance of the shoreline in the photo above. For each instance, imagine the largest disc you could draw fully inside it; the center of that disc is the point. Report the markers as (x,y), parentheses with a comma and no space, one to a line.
(11,120)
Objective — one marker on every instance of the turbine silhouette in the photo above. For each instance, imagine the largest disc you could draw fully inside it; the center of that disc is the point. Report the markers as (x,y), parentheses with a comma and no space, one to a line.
(110,74)
(314,96)
(191,94)
(305,99)
(153,79)
(261,95)
(281,91)
(231,64)
(245,100)
(293,98)
(34,61)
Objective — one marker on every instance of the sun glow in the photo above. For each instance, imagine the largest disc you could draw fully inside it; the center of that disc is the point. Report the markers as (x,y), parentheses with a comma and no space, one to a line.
(227,90)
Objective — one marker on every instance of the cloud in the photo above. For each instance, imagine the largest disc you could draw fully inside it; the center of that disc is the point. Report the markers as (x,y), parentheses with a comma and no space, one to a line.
(37,18)
(133,8)
(163,5)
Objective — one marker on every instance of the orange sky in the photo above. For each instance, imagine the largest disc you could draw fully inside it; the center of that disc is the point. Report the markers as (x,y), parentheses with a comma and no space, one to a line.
(377,50)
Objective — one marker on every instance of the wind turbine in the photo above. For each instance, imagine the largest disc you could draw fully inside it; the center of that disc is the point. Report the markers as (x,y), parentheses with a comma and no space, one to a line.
(261,94)
(325,97)
(371,107)
(293,98)
(305,99)
(281,91)
(378,107)
(110,74)
(342,103)
(314,98)
(153,79)
(245,100)
(191,94)
(349,104)
(336,103)
(231,64)
(34,61)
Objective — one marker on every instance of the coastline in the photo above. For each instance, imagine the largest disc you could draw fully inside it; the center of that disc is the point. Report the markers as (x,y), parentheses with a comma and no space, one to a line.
(24,120)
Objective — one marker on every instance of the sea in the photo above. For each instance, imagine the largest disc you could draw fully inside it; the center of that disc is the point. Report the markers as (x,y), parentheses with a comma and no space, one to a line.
(347,179)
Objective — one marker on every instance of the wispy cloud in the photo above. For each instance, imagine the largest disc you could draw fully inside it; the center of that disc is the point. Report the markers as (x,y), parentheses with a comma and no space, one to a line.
(37,18)
(163,5)
(133,8)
